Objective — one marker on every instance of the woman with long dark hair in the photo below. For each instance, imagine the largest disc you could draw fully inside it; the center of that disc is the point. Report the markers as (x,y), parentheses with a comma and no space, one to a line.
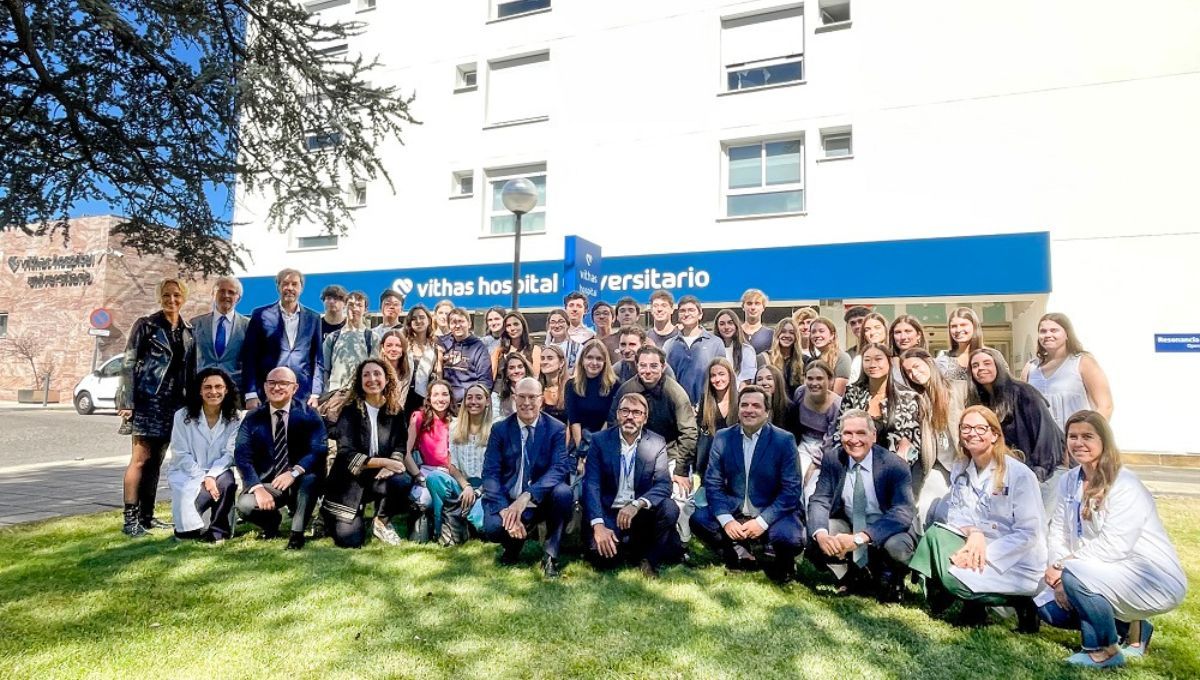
(771,379)
(516,339)
(200,473)
(813,419)
(718,408)
(554,382)
(1112,565)
(424,356)
(893,407)
(941,403)
(393,348)
(369,465)
(874,330)
(1025,417)
(160,359)
(513,367)
(1068,377)
(905,333)
(738,351)
(429,440)
(493,331)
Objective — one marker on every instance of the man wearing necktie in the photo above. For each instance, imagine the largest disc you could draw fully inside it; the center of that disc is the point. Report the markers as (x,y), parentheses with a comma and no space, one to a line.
(861,513)
(525,475)
(753,488)
(280,453)
(219,333)
(627,493)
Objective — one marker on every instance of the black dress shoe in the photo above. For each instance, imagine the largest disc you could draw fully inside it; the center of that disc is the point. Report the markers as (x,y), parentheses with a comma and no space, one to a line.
(550,567)
(974,615)
(889,593)
(781,575)
(295,541)
(1028,620)
(648,570)
(268,534)
(510,558)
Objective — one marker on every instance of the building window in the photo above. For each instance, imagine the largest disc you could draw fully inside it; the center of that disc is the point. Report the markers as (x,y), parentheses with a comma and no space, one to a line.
(466,77)
(500,220)
(358,194)
(837,142)
(763,49)
(316,242)
(764,177)
(4,325)
(834,11)
(322,139)
(518,89)
(510,8)
(463,184)
(366,5)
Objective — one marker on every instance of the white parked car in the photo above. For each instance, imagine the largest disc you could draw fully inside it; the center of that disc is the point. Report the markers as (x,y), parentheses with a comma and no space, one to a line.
(98,389)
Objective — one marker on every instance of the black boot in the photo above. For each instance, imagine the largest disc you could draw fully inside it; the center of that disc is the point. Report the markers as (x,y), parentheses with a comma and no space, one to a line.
(1028,620)
(133,526)
(146,517)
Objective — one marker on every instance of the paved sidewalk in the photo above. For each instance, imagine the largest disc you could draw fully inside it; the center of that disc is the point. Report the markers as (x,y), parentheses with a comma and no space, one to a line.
(29,493)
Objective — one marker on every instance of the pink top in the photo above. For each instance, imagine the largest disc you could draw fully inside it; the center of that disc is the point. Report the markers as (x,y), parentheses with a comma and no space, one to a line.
(433,444)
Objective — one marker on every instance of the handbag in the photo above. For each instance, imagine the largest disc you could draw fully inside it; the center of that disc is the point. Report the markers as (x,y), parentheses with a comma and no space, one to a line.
(330,406)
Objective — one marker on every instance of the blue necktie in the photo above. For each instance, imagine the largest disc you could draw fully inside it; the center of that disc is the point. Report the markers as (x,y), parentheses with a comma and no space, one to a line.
(858,514)
(219,344)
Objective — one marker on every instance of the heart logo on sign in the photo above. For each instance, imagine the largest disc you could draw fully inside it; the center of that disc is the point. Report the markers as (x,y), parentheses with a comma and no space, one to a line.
(588,257)
(14,263)
(402,286)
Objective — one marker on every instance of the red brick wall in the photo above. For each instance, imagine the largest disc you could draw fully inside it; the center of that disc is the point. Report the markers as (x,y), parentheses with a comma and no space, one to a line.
(57,316)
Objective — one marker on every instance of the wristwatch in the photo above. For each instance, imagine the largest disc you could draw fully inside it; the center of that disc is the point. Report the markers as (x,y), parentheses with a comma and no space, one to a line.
(859,540)
(295,474)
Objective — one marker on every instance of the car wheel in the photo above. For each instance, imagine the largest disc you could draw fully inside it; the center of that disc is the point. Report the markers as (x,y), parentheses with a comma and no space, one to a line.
(83,404)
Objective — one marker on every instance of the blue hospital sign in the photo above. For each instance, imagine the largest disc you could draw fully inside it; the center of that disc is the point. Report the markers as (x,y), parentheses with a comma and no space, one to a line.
(1177,342)
(581,267)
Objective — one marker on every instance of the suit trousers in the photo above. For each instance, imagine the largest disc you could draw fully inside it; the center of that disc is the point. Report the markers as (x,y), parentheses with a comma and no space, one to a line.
(300,498)
(786,536)
(652,536)
(887,562)
(392,494)
(555,510)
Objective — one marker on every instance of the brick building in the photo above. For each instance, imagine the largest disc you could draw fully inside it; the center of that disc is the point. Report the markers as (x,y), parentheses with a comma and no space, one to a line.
(49,287)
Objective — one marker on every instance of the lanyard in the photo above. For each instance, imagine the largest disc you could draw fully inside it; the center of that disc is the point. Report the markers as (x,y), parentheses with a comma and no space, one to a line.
(627,470)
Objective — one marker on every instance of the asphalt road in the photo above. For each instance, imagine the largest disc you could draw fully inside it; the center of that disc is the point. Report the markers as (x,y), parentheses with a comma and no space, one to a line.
(29,436)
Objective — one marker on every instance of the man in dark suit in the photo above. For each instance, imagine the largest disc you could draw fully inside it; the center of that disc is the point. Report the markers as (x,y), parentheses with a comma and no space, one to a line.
(287,334)
(753,488)
(280,453)
(627,493)
(525,475)
(220,333)
(861,514)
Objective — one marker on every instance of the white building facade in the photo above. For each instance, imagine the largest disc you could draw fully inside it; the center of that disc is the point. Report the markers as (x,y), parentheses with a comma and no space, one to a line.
(1018,157)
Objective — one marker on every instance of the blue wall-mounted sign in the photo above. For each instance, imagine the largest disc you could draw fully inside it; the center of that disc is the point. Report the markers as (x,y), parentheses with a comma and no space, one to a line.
(1017,264)
(1177,342)
(581,267)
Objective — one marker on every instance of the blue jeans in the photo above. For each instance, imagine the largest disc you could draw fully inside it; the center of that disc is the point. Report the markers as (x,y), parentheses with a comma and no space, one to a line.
(1090,613)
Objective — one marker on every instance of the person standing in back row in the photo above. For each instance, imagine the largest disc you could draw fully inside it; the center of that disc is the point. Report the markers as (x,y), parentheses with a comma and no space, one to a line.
(662,305)
(754,301)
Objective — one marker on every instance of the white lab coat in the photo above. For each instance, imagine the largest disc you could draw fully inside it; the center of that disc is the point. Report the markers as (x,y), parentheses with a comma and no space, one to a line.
(196,452)
(1013,522)
(1122,552)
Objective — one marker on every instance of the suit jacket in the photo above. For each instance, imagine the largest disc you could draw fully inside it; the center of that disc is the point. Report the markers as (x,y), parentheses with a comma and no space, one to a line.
(254,451)
(349,477)
(546,454)
(206,353)
(265,347)
(774,481)
(893,489)
(602,474)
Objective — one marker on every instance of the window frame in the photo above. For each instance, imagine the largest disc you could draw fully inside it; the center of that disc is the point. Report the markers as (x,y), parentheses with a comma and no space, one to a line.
(494,10)
(460,77)
(456,183)
(797,58)
(763,187)
(756,16)
(492,176)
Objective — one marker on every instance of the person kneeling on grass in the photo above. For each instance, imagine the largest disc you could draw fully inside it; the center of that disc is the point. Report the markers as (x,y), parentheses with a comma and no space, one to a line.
(372,432)
(1112,563)
(199,473)
(863,509)
(525,474)
(627,493)
(988,545)
(280,454)
(752,484)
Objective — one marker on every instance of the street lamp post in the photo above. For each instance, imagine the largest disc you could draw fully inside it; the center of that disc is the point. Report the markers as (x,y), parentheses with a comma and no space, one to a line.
(519,197)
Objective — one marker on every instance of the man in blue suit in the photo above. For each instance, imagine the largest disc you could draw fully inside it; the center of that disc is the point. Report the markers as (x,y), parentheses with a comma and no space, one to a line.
(280,454)
(525,478)
(627,493)
(753,489)
(861,514)
(287,334)
(220,333)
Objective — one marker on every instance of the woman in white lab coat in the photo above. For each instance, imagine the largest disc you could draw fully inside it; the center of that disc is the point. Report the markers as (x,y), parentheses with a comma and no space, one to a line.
(989,545)
(1112,565)
(200,472)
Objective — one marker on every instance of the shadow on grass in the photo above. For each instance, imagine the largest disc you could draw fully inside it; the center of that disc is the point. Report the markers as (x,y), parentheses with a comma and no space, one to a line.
(76,597)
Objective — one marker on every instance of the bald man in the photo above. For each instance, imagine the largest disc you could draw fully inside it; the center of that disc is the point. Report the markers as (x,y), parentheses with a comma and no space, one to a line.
(280,454)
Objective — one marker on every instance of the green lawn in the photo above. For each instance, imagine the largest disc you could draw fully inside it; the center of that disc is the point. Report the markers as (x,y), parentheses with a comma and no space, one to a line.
(78,599)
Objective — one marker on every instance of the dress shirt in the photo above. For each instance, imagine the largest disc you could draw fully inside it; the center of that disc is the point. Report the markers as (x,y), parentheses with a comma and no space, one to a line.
(286,410)
(873,511)
(291,324)
(526,435)
(625,488)
(217,316)
(748,444)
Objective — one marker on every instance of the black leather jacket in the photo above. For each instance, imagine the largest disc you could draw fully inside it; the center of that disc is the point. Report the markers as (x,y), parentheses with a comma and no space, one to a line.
(148,356)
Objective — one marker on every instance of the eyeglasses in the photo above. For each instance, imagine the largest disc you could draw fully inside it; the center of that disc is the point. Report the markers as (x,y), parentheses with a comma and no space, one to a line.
(635,412)
(974,429)
(279,383)
(527,397)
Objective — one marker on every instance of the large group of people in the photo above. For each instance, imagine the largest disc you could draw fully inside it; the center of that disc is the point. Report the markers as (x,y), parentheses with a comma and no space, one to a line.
(877,460)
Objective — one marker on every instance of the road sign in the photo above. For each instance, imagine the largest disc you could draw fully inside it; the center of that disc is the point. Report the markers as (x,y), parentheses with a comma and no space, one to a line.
(100,318)
(99,332)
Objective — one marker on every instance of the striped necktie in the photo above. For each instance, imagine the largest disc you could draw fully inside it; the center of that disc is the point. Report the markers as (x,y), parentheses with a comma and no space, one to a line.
(280,447)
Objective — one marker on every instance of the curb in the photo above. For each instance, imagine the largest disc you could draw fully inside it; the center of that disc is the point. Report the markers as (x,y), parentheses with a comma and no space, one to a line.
(1174,460)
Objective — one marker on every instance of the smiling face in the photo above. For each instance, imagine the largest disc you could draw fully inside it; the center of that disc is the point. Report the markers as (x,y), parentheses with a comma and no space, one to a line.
(726,327)
(961,330)
(494,321)
(689,315)
(575,309)
(391,308)
(514,370)
(905,336)
(819,335)
(439,398)
(875,364)
(633,418)
(976,434)
(752,411)
(212,391)
(805,326)
(374,379)
(630,344)
(513,328)
(528,396)
(983,368)
(718,377)
(556,327)
(226,296)
(171,298)
(460,328)
(551,363)
(281,385)
(290,289)
(857,437)
(1051,336)
(765,379)
(475,400)
(816,382)
(874,331)
(786,335)
(1084,443)
(440,313)
(649,368)
(660,310)
(916,370)
(392,349)
(419,321)
(593,361)
(602,316)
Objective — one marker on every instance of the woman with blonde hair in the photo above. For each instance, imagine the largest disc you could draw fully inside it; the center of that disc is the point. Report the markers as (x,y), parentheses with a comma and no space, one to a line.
(823,337)
(988,546)
(785,354)
(718,407)
(554,382)
(804,317)
(469,433)
(589,395)
(1112,565)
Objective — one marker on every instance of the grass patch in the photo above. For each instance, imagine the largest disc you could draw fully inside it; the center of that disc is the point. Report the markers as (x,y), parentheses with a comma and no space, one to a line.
(78,599)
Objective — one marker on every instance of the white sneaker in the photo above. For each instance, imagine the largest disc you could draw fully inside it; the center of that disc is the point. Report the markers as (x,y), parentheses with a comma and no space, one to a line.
(384,532)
